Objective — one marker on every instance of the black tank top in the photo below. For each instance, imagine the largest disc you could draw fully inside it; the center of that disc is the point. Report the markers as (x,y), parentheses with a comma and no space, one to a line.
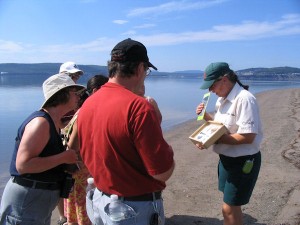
(53,147)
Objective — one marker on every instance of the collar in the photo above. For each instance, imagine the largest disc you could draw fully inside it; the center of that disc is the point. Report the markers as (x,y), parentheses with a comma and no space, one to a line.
(233,93)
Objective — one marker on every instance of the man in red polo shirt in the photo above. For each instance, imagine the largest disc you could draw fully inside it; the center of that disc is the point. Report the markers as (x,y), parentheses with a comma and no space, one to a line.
(122,143)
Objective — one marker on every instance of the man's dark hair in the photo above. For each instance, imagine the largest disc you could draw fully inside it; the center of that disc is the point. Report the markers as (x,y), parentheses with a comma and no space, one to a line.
(126,69)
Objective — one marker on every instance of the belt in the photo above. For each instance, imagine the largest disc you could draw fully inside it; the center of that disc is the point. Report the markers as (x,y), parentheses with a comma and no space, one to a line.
(145,197)
(35,184)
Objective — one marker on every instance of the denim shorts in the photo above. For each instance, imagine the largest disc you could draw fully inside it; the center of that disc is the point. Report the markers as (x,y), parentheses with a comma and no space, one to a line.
(27,206)
(144,210)
(236,185)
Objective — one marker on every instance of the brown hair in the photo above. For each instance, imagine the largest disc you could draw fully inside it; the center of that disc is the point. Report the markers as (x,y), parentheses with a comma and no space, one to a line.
(234,78)
(96,82)
(125,69)
(59,98)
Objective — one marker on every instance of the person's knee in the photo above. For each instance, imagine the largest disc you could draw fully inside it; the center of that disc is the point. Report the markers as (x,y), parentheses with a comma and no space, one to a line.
(232,214)
(227,210)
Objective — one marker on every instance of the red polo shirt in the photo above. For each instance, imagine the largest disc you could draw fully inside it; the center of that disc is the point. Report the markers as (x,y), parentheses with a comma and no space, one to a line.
(122,143)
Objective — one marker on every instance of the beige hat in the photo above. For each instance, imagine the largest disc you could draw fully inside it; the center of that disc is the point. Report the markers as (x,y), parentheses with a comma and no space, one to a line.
(56,83)
(69,67)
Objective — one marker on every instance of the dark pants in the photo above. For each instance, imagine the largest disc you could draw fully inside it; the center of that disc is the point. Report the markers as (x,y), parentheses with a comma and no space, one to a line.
(237,185)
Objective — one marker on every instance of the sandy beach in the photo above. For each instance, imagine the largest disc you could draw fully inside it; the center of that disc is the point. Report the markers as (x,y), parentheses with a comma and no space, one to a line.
(192,196)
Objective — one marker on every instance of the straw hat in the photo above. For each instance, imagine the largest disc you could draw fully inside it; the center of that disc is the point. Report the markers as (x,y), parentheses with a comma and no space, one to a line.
(56,83)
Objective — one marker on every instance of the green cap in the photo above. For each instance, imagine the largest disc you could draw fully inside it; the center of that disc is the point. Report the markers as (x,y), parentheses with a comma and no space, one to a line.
(212,72)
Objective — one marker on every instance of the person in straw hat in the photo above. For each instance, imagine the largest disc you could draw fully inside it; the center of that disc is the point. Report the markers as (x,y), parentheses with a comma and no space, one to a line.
(37,166)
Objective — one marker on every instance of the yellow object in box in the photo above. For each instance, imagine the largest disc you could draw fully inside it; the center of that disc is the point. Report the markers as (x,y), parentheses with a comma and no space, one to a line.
(208,133)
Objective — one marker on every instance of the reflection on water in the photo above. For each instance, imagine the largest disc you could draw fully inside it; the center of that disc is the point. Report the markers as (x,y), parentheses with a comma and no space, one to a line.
(176,98)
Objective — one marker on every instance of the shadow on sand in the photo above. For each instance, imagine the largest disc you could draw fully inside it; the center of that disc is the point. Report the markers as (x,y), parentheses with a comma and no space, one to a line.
(194,220)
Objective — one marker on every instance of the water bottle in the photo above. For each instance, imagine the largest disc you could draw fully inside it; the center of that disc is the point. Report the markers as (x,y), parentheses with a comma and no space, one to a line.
(90,188)
(90,184)
(117,210)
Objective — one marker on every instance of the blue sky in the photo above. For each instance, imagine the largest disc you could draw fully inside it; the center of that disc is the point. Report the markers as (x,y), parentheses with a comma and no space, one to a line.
(179,35)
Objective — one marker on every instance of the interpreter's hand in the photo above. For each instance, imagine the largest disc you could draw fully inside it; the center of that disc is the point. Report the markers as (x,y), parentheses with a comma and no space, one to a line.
(200,146)
(70,156)
(199,108)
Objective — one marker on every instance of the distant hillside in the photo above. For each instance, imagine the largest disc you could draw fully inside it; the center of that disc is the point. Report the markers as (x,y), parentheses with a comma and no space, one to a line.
(189,71)
(264,71)
(44,70)
(276,73)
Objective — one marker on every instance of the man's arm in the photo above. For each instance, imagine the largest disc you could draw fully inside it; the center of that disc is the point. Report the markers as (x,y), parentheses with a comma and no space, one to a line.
(166,175)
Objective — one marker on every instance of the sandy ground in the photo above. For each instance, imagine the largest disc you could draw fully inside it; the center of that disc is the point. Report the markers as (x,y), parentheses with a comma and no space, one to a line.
(192,196)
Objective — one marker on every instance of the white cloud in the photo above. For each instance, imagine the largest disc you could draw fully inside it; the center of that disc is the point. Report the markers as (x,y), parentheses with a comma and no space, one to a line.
(10,46)
(98,45)
(174,6)
(143,26)
(120,21)
(129,33)
(247,30)
(133,32)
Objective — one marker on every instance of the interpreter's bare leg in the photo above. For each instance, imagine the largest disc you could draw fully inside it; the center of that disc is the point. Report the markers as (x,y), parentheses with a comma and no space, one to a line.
(60,208)
(232,215)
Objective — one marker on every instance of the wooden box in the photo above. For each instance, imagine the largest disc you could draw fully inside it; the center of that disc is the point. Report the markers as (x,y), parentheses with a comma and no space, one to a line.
(208,133)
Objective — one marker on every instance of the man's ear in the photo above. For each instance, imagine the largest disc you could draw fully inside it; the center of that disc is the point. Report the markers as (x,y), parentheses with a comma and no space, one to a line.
(94,90)
(140,69)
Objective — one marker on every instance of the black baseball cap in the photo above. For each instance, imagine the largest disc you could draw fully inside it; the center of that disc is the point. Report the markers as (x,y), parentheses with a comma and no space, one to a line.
(130,50)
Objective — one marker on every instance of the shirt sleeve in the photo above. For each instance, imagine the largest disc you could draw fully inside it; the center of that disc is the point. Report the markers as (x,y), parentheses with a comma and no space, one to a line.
(155,152)
(247,116)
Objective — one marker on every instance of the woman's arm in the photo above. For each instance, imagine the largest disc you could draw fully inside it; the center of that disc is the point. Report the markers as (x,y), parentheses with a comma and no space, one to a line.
(74,141)
(166,175)
(236,139)
(199,109)
(35,137)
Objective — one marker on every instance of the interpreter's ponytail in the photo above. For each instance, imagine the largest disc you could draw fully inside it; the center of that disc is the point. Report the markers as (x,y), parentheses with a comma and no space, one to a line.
(234,78)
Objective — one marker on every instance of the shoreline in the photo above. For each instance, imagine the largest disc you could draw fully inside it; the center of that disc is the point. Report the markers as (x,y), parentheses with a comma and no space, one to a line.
(192,197)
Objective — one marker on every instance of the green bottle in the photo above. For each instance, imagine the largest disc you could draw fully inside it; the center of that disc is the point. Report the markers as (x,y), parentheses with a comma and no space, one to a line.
(248,165)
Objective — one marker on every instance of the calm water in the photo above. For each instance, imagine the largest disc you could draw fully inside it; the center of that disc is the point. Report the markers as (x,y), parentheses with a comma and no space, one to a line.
(177,99)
